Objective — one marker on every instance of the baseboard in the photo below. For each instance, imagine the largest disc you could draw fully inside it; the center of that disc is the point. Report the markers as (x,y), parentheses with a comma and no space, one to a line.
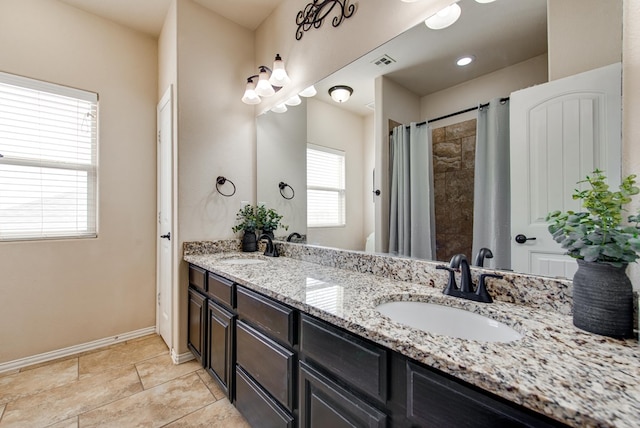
(71,350)
(181,358)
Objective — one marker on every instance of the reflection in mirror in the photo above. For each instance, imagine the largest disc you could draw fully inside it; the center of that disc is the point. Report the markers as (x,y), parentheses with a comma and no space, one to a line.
(414,78)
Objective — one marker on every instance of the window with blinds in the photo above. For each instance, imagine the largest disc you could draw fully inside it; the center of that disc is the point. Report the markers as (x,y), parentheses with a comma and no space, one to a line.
(48,160)
(325,187)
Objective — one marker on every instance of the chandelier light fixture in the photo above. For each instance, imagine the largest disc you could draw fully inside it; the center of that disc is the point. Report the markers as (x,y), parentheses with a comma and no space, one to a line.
(266,83)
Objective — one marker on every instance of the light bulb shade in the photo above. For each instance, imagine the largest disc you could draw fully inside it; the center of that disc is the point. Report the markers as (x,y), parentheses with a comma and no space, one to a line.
(250,96)
(340,93)
(264,88)
(309,92)
(280,108)
(444,18)
(279,75)
(293,101)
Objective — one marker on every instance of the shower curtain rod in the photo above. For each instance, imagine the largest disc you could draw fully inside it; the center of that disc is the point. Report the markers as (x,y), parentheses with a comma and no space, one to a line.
(467,110)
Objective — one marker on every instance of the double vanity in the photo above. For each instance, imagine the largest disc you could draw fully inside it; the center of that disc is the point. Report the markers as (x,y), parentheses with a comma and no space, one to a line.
(322,337)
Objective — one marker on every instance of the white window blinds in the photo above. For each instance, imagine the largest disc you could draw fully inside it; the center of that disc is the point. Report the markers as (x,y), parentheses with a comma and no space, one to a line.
(48,160)
(325,187)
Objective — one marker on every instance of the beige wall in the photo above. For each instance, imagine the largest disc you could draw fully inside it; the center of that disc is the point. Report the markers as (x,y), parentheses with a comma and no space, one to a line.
(330,126)
(216,134)
(481,90)
(55,294)
(581,35)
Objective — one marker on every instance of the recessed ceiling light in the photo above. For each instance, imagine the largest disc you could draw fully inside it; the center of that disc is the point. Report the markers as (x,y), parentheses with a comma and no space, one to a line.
(444,18)
(485,1)
(465,60)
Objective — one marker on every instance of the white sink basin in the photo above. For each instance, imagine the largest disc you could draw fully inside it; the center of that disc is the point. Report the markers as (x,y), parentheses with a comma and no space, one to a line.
(242,261)
(448,321)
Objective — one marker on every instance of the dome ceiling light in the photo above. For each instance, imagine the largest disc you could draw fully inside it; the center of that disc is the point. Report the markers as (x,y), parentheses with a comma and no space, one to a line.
(340,93)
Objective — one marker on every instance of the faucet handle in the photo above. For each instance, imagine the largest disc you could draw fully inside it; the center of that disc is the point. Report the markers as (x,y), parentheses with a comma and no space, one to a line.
(451,284)
(481,289)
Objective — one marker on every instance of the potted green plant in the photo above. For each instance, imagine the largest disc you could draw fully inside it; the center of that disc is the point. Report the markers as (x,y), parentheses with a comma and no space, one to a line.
(248,223)
(268,220)
(603,247)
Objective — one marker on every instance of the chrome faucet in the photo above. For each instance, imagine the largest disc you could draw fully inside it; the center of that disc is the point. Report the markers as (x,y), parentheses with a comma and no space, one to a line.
(271,250)
(467,289)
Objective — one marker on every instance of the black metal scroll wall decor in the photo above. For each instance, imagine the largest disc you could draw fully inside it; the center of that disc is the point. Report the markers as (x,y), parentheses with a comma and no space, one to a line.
(314,13)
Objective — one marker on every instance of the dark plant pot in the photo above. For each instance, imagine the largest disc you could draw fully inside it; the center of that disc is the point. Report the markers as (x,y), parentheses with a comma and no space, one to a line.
(603,300)
(249,242)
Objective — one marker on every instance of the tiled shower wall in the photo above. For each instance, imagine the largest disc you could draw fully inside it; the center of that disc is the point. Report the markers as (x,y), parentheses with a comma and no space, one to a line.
(454,148)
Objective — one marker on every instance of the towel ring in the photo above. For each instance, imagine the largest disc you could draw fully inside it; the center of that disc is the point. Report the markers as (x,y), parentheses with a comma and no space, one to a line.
(282,185)
(222,180)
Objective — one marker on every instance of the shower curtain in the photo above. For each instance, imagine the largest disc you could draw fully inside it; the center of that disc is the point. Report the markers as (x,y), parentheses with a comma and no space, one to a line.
(411,213)
(492,190)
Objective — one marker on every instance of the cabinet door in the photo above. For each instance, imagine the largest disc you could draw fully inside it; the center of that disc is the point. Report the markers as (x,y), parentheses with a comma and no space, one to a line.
(197,323)
(325,404)
(219,360)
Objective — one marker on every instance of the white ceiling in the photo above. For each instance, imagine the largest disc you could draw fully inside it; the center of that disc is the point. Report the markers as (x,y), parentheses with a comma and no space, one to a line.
(498,34)
(148,16)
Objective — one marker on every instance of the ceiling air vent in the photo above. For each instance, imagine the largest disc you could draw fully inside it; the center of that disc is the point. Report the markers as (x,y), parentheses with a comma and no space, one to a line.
(383,61)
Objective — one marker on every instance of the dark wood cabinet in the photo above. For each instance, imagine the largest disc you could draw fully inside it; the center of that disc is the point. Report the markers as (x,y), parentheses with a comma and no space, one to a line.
(323,403)
(258,407)
(357,362)
(197,313)
(273,318)
(270,364)
(434,399)
(219,356)
(249,343)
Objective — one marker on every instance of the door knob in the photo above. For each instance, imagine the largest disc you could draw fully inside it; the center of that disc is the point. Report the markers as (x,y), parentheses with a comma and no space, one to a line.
(167,236)
(521,239)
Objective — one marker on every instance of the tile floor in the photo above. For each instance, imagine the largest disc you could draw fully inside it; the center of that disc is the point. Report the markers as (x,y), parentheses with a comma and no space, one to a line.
(131,384)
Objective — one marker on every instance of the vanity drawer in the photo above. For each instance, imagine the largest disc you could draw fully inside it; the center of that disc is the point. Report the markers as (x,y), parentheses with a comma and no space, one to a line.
(220,289)
(198,278)
(435,400)
(272,317)
(258,408)
(269,363)
(353,360)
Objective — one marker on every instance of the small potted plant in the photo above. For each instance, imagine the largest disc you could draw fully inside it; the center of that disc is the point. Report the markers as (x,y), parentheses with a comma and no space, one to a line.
(603,247)
(248,223)
(268,220)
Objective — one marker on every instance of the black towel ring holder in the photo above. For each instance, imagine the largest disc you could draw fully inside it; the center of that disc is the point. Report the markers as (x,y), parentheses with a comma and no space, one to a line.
(282,185)
(222,180)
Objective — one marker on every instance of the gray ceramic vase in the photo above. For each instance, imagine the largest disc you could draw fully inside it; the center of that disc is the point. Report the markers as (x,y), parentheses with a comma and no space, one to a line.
(603,299)
(249,242)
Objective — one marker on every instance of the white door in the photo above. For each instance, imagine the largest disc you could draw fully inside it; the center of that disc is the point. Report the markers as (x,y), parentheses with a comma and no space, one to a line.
(165,207)
(560,132)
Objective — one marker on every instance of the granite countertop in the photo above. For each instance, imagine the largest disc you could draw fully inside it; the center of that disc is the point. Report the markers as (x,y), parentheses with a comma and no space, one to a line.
(573,376)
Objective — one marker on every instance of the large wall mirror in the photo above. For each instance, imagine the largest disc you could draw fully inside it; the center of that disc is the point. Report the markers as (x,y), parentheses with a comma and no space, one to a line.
(414,78)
